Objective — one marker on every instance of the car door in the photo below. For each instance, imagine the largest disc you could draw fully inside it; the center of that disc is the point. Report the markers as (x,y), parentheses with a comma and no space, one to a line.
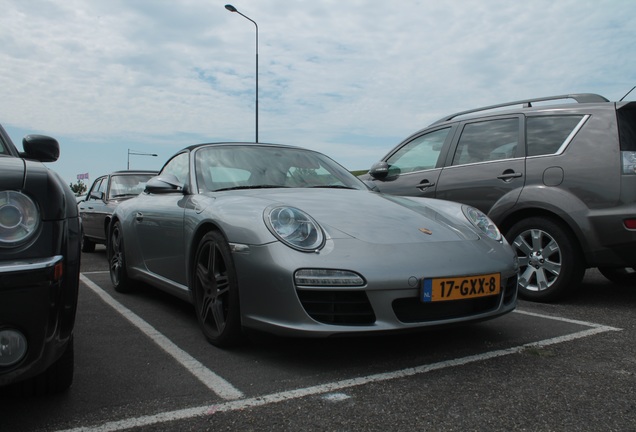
(414,168)
(91,209)
(158,222)
(486,166)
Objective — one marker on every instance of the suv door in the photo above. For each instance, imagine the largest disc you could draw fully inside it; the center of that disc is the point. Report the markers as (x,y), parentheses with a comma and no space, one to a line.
(413,169)
(485,167)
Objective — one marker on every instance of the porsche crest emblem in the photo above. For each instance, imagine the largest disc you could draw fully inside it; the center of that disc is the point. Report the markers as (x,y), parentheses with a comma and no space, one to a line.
(426,231)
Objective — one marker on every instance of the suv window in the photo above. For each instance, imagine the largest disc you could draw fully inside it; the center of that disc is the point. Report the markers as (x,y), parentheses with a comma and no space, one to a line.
(627,127)
(546,135)
(420,154)
(487,141)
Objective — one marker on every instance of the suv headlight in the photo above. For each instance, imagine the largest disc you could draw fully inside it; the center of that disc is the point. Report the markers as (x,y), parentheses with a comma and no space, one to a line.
(295,228)
(19,218)
(482,222)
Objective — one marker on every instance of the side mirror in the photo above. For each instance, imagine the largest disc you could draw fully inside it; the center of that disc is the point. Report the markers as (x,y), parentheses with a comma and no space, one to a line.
(97,195)
(165,183)
(41,148)
(379,170)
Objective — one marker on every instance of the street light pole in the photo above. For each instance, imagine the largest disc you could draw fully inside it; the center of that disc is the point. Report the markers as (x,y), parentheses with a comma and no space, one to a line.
(136,153)
(233,9)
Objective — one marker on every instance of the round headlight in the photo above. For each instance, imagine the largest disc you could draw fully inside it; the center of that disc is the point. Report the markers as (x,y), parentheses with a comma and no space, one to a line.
(482,222)
(295,228)
(19,218)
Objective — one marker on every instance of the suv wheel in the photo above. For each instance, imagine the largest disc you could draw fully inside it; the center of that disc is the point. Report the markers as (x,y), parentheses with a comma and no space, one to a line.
(619,275)
(550,262)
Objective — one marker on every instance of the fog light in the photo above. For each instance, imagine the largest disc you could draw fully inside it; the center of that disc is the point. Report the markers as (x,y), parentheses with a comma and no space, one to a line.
(327,277)
(13,347)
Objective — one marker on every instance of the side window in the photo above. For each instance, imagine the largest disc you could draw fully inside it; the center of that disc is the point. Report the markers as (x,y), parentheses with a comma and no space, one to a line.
(98,186)
(546,135)
(419,154)
(487,141)
(178,166)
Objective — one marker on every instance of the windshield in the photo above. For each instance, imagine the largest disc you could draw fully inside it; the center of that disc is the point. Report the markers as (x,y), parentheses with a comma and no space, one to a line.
(252,166)
(127,185)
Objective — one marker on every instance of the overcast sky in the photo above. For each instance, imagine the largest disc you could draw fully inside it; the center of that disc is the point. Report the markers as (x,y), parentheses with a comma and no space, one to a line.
(350,78)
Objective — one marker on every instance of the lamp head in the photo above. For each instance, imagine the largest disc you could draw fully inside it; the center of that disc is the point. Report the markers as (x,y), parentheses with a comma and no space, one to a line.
(230,8)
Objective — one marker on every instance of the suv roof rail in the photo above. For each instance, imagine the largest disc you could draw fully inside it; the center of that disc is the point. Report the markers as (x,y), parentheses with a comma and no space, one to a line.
(578,97)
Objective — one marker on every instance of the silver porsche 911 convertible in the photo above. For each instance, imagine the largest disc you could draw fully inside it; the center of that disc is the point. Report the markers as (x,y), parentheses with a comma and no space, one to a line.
(284,240)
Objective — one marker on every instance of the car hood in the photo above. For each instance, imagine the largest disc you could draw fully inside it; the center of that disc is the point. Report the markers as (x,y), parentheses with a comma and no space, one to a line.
(372,217)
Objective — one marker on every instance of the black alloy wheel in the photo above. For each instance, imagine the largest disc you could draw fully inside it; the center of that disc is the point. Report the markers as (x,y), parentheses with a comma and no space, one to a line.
(215,291)
(117,260)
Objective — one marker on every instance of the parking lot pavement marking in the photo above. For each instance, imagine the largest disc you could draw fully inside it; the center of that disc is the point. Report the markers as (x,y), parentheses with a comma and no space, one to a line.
(338,386)
(211,380)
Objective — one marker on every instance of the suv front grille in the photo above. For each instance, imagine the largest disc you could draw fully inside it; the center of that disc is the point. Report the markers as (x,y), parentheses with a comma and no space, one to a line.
(337,307)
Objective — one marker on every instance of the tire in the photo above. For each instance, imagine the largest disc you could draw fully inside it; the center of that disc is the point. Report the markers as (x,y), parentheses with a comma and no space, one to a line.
(215,291)
(56,379)
(117,260)
(619,275)
(87,245)
(550,261)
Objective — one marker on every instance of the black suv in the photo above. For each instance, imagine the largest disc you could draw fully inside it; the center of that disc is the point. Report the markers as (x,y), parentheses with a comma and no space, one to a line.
(559,179)
(39,268)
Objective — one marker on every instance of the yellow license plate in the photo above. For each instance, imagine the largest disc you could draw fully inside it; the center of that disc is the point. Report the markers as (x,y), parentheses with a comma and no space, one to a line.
(459,288)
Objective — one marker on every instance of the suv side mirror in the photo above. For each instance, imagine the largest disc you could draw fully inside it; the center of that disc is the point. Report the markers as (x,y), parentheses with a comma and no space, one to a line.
(41,148)
(379,170)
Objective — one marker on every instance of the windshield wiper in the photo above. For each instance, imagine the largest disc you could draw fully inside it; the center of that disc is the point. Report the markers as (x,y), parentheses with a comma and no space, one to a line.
(250,187)
(333,187)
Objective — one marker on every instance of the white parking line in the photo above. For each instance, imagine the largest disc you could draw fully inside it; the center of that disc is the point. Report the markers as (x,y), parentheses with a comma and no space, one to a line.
(211,380)
(234,405)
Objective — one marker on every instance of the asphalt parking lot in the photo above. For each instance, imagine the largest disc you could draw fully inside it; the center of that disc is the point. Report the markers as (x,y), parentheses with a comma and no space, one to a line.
(142,364)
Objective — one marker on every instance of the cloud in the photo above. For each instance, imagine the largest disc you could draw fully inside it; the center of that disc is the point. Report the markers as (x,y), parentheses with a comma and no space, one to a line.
(348,78)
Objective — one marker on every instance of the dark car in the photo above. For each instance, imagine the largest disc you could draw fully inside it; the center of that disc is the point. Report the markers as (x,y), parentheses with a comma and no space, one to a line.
(39,268)
(557,178)
(104,195)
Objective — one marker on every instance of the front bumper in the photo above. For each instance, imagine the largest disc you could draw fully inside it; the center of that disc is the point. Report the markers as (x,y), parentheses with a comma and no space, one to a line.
(34,303)
(389,299)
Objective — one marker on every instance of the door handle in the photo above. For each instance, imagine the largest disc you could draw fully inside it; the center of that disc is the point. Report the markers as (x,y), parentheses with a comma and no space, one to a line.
(509,175)
(424,184)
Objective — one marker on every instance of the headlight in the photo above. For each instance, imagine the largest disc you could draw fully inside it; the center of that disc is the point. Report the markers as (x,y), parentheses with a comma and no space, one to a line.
(295,228)
(19,218)
(482,222)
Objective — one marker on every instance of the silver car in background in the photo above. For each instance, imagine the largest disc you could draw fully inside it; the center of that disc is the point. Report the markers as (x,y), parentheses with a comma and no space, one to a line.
(284,240)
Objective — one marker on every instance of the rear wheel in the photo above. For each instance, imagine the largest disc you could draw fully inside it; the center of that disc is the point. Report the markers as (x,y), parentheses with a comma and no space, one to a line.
(215,291)
(619,275)
(550,263)
(117,260)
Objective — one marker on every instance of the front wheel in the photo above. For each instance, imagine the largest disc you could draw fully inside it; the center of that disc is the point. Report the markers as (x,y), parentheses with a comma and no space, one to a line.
(215,291)
(619,275)
(550,262)
(117,260)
